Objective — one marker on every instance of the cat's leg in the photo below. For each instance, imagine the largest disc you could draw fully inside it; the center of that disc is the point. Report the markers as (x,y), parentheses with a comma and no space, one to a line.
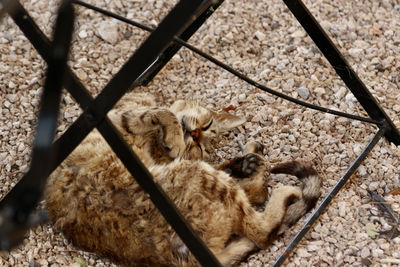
(248,171)
(262,227)
(236,251)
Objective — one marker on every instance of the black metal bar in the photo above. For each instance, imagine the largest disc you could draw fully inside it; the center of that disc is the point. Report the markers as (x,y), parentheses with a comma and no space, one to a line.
(327,200)
(342,67)
(16,206)
(230,69)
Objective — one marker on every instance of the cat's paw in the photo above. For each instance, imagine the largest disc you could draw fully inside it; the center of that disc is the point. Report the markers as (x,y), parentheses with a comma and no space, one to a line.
(252,164)
(170,133)
(246,166)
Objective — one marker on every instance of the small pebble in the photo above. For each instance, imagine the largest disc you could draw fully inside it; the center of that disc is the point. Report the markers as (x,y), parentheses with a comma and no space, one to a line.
(303,92)
(373,186)
(365,253)
(108,31)
(81,74)
(259,35)
(82,34)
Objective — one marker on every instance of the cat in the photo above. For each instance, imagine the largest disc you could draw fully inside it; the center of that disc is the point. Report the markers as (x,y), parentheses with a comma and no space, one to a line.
(97,204)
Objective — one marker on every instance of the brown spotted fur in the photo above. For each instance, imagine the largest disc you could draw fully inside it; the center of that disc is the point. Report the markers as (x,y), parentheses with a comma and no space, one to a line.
(96,203)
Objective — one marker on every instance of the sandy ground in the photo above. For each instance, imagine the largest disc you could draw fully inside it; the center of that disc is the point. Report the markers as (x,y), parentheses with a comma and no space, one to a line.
(263,40)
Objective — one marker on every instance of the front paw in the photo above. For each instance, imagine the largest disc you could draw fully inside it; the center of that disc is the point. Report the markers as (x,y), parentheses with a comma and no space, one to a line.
(246,166)
(170,133)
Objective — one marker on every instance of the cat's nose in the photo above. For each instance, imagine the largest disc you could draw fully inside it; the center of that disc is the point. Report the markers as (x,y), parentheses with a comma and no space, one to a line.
(195,134)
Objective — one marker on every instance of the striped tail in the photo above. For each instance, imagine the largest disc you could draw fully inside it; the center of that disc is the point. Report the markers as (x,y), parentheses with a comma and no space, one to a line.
(311,187)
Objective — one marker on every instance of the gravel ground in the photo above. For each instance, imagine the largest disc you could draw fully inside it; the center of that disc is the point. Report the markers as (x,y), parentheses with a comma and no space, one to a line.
(263,40)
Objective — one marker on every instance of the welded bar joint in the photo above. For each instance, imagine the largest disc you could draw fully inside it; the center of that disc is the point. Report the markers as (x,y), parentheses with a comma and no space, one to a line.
(342,67)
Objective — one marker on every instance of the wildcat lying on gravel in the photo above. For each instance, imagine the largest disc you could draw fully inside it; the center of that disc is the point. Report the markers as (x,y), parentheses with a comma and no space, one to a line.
(96,203)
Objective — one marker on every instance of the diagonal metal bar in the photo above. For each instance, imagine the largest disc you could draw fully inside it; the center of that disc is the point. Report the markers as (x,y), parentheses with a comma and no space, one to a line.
(236,73)
(342,67)
(185,11)
(327,200)
(16,207)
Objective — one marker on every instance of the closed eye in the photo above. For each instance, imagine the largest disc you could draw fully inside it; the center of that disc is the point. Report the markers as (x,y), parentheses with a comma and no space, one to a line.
(183,124)
(207,126)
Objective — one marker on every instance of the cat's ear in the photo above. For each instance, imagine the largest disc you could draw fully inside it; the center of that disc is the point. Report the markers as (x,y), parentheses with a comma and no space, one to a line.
(226,121)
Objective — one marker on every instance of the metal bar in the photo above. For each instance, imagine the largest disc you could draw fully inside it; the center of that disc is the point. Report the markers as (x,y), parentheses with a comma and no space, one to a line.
(327,200)
(342,67)
(16,206)
(231,70)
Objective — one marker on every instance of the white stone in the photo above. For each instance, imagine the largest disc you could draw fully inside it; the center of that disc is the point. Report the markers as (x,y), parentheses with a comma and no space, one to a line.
(81,74)
(12,98)
(365,253)
(302,253)
(82,34)
(362,171)
(355,52)
(350,98)
(373,186)
(108,31)
(340,94)
(259,35)
(342,209)
(298,34)
(11,85)
(303,92)
(242,97)
(319,91)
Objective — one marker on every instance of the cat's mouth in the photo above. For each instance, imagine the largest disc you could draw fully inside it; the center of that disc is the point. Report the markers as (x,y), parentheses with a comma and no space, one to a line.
(193,151)
(192,138)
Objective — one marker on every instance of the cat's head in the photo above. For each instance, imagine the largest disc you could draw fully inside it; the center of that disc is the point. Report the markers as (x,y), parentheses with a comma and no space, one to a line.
(202,127)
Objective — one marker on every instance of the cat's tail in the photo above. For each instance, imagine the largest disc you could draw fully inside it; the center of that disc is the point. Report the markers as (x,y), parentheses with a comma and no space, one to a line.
(311,190)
